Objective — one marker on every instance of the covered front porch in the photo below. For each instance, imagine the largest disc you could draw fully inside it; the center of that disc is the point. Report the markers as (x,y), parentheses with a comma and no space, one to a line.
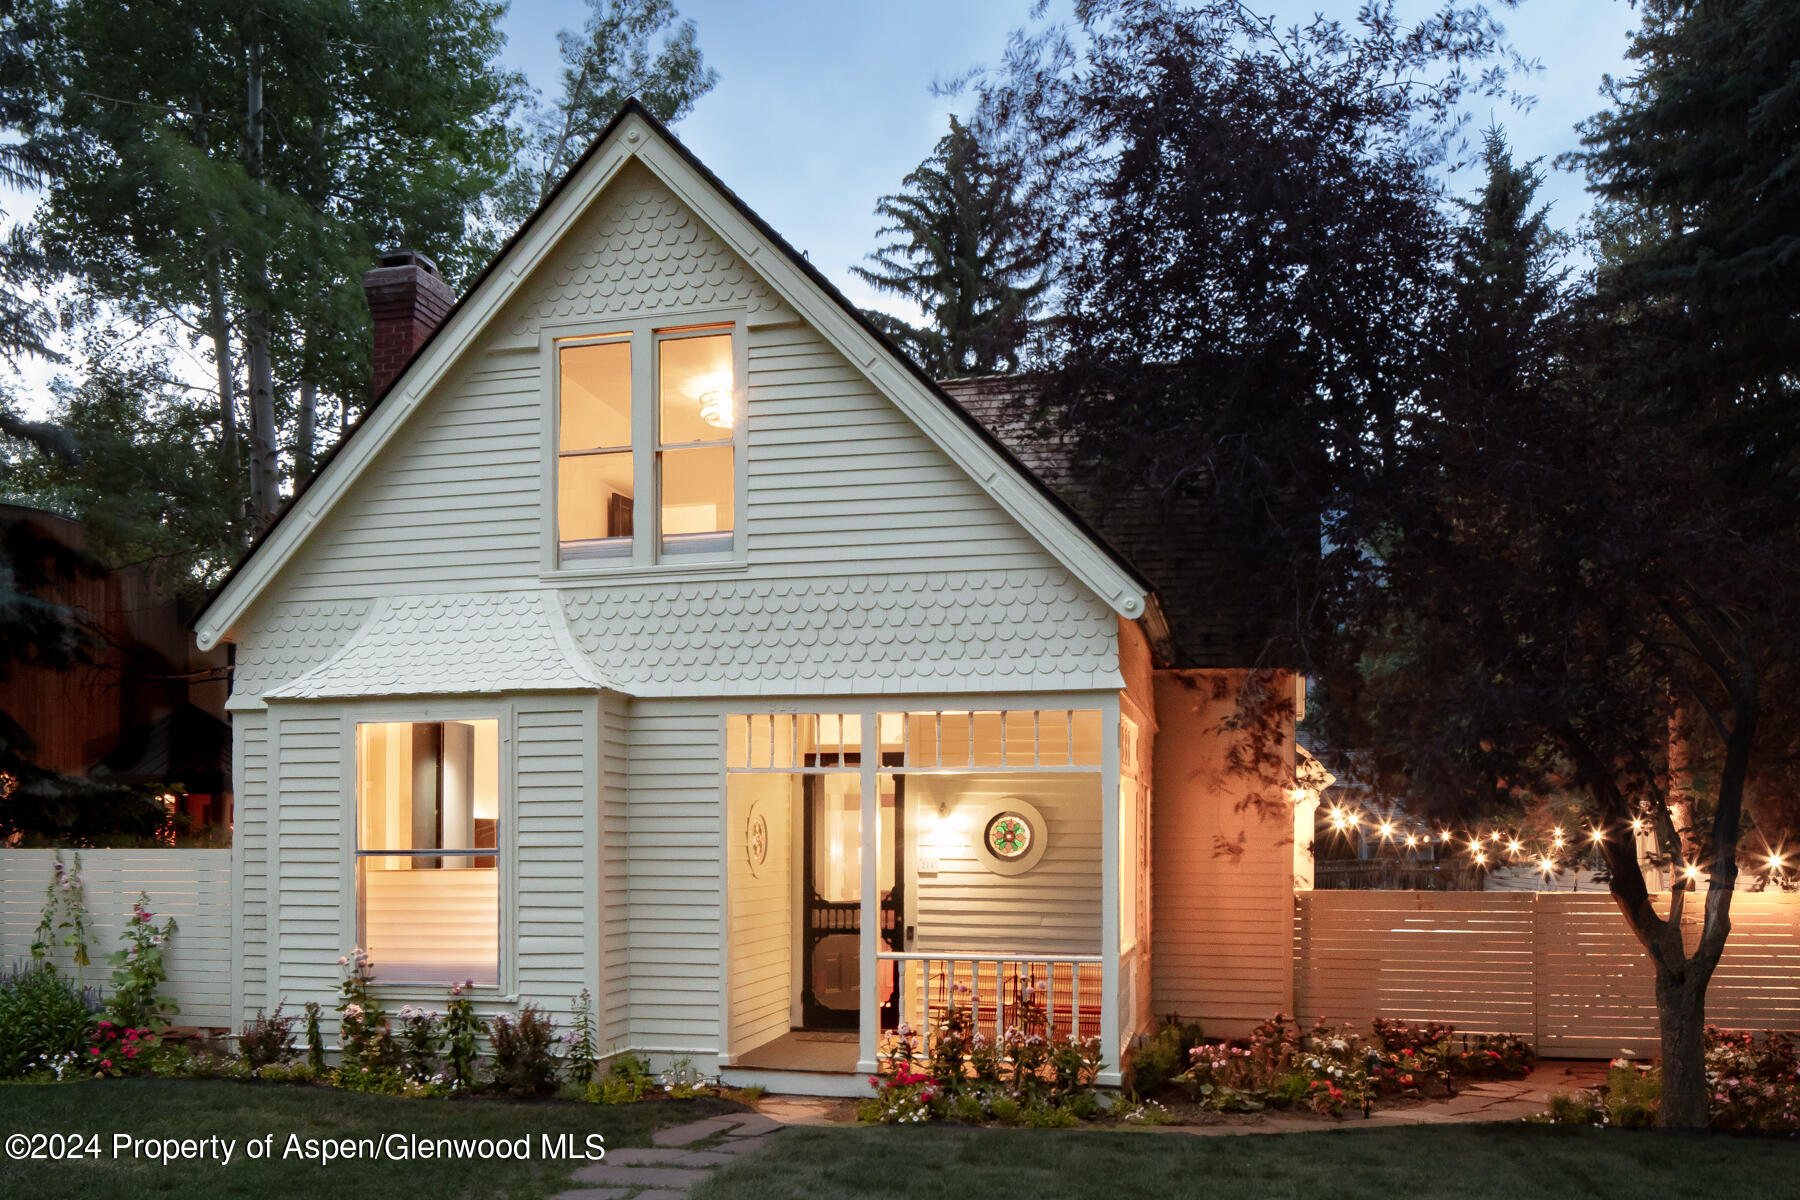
(986,860)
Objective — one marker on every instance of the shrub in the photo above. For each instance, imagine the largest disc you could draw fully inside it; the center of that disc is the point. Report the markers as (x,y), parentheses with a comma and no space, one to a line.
(364,1033)
(315,1040)
(524,1052)
(43,1017)
(462,1029)
(267,1039)
(1163,1055)
(139,970)
(420,1042)
(580,1039)
(628,1080)
(1753,1083)
(118,1050)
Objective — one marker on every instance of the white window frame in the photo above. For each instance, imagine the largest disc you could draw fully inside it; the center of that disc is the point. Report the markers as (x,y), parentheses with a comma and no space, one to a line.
(645,334)
(505,987)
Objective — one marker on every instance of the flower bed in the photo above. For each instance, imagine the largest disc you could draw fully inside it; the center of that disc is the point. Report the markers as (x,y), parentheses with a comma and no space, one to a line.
(1752,1084)
(1176,1073)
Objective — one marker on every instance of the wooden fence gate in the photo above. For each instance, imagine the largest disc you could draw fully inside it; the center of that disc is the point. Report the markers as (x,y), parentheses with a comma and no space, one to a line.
(1560,970)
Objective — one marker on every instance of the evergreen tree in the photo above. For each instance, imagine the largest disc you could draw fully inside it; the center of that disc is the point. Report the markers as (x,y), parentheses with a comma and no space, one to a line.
(965,253)
(1695,157)
(24,165)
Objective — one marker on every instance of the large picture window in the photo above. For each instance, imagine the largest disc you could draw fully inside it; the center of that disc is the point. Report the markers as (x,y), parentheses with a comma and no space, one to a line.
(676,448)
(428,825)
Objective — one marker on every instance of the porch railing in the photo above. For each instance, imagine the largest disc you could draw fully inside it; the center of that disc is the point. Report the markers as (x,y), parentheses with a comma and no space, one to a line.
(1052,995)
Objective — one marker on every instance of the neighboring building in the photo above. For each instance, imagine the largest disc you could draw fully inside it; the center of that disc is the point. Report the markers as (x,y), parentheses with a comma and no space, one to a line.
(147,709)
(495,722)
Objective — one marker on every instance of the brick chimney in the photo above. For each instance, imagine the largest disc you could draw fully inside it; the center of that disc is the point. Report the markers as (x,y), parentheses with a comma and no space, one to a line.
(407,300)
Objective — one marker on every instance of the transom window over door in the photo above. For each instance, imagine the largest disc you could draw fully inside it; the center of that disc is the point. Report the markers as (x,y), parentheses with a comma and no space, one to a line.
(427,869)
(653,415)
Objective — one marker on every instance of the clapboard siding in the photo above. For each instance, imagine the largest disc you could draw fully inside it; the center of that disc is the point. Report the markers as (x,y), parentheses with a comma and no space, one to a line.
(1558,969)
(1054,908)
(192,886)
(1222,911)
(251,837)
(554,813)
(454,500)
(612,997)
(761,962)
(836,470)
(311,841)
(672,839)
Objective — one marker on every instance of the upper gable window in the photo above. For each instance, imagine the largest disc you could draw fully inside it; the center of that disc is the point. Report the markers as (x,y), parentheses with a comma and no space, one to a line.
(696,410)
(667,434)
(594,478)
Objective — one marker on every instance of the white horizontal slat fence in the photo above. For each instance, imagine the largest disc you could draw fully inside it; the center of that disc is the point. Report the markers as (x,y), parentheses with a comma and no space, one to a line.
(193,886)
(1560,970)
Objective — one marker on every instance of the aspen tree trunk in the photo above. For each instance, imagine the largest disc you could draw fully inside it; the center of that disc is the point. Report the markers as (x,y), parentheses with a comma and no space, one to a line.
(305,426)
(220,330)
(265,466)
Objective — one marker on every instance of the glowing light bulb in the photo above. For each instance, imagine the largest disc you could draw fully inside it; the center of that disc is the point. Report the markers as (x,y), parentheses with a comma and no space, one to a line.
(1387,829)
(1546,866)
(1412,841)
(1480,858)
(1496,836)
(716,406)
(1514,846)
(1558,835)
(1637,824)
(1691,873)
(1599,835)
(1775,862)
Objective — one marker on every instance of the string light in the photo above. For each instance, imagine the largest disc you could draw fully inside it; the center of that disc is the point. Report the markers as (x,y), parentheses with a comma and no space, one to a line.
(1637,824)
(1480,858)
(1559,835)
(1775,862)
(1599,835)
(1546,866)
(1513,847)
(1412,841)
(1386,830)
(1496,835)
(1691,872)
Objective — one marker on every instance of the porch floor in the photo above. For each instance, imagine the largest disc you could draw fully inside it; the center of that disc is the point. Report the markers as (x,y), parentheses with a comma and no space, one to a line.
(804,1050)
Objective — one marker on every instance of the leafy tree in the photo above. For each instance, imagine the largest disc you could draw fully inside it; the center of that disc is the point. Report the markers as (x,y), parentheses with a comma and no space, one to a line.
(232,168)
(616,55)
(1250,248)
(964,251)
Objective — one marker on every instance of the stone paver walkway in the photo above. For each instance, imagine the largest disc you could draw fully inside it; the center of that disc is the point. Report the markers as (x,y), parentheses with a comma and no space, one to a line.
(677,1159)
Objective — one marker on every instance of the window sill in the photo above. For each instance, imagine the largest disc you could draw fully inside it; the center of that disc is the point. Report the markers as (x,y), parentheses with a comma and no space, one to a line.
(663,572)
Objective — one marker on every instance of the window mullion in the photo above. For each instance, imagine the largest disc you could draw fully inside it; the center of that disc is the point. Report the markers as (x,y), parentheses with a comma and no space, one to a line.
(643,446)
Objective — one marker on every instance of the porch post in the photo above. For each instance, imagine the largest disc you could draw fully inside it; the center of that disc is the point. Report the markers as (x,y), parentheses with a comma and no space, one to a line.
(1109,891)
(868,1033)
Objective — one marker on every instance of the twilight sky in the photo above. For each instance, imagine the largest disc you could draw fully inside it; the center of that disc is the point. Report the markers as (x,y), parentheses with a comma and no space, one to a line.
(824,105)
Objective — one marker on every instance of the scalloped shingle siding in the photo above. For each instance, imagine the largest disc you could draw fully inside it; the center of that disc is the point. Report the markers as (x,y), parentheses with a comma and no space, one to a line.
(640,250)
(956,631)
(457,645)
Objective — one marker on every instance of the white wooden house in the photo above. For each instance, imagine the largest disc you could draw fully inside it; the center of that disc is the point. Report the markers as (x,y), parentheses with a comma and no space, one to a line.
(854,709)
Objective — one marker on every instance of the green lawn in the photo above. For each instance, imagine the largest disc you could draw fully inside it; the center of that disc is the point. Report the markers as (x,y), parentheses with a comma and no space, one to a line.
(1494,1162)
(241,1111)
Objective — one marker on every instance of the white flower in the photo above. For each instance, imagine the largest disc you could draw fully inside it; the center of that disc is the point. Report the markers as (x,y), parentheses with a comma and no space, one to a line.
(353,1011)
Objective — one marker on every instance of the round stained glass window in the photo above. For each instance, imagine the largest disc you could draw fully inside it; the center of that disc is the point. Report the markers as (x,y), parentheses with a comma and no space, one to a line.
(1009,836)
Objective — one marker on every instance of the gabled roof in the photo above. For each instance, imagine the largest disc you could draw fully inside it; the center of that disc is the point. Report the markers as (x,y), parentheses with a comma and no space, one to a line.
(634,134)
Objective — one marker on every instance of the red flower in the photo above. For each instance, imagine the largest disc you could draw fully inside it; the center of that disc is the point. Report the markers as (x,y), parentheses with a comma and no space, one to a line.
(94,1050)
(107,1063)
